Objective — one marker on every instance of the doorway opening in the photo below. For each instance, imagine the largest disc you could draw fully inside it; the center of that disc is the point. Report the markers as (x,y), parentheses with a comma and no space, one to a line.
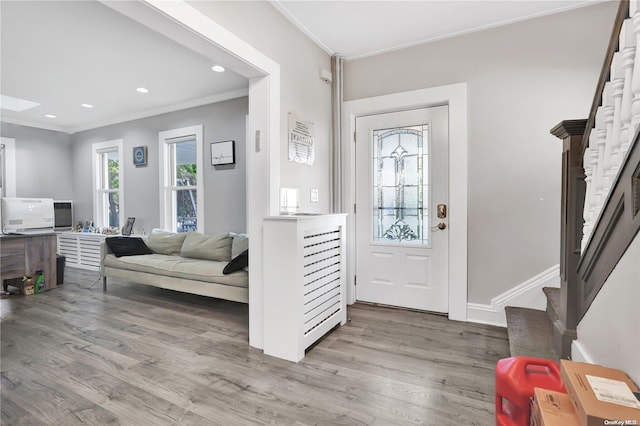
(189,27)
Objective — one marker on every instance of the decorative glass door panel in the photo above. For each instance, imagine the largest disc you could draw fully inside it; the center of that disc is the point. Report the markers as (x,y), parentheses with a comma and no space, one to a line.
(400,185)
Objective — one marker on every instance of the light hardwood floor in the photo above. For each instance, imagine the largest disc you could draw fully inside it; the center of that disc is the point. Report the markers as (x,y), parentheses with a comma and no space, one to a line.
(140,355)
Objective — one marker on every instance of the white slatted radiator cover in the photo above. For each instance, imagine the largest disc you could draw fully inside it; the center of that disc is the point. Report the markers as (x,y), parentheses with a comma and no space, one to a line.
(322,271)
(304,281)
(82,250)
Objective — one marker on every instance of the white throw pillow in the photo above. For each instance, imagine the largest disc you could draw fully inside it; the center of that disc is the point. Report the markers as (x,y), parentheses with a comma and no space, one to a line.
(240,243)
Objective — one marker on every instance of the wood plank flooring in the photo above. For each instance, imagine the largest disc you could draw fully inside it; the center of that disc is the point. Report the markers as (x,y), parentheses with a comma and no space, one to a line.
(140,355)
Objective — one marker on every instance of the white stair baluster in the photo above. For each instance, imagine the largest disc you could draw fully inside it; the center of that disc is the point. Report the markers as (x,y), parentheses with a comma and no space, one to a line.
(598,181)
(617,83)
(634,12)
(628,49)
(607,102)
(588,172)
(593,207)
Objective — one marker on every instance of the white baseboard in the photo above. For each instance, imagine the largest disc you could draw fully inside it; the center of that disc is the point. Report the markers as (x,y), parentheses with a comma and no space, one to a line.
(483,314)
(579,353)
(525,295)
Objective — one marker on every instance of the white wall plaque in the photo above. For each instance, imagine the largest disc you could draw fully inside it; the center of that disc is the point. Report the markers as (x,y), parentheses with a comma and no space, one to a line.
(301,140)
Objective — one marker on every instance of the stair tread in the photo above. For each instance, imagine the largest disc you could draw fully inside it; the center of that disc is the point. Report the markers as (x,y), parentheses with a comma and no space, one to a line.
(553,296)
(530,333)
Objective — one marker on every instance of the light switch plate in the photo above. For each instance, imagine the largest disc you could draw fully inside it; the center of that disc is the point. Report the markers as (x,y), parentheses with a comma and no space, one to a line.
(314,195)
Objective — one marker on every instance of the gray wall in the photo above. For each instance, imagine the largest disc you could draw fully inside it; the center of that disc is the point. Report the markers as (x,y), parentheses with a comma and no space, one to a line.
(608,333)
(302,92)
(522,80)
(225,201)
(43,162)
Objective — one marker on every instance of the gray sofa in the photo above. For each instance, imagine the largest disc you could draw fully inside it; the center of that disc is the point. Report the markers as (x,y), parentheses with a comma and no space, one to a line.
(187,262)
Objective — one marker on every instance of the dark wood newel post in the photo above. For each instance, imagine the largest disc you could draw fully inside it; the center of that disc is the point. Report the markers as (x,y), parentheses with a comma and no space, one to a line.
(573,192)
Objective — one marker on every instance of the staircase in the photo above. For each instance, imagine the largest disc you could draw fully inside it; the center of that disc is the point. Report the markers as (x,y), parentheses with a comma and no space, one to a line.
(531,331)
(600,205)
(600,197)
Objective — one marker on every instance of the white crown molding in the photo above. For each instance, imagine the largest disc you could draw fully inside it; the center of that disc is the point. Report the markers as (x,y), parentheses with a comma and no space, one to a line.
(528,294)
(294,20)
(25,123)
(474,30)
(291,17)
(220,97)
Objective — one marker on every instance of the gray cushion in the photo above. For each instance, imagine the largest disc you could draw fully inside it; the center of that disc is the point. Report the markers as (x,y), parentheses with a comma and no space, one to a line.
(208,247)
(240,243)
(166,242)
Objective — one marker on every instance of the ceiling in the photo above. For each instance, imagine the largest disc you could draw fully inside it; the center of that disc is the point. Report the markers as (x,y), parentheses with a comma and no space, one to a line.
(62,54)
(355,29)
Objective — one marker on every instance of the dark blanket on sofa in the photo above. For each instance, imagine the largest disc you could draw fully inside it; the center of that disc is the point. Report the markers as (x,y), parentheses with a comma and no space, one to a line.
(127,246)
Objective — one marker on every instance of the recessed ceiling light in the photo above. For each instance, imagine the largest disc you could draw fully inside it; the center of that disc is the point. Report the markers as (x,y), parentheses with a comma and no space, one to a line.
(142,90)
(217,68)
(86,105)
(50,116)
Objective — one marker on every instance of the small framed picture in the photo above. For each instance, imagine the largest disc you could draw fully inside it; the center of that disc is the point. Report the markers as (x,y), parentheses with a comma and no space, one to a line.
(128,227)
(223,153)
(140,156)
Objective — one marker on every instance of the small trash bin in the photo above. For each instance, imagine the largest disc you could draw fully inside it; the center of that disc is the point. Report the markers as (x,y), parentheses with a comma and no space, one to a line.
(60,262)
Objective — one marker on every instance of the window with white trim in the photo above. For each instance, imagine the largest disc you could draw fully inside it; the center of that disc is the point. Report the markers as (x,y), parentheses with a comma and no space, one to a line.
(108,185)
(7,167)
(181,177)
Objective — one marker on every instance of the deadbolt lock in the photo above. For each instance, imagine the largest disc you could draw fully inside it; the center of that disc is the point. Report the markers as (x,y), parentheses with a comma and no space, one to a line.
(442,211)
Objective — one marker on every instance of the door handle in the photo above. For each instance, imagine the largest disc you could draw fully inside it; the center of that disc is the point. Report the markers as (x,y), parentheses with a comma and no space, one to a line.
(441,226)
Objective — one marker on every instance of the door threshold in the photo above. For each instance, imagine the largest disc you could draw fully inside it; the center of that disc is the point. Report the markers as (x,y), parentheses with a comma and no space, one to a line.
(401,308)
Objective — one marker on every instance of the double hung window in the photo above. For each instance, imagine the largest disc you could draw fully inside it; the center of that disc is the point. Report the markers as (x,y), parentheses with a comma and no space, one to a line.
(181,179)
(108,184)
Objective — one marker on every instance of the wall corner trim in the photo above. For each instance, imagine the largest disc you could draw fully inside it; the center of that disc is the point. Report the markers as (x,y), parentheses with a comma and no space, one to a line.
(527,294)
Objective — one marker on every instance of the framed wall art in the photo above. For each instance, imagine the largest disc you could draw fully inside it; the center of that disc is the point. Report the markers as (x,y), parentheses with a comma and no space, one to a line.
(223,153)
(140,156)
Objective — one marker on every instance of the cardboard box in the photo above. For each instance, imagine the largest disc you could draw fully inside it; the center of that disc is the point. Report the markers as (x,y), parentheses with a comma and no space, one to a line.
(28,287)
(600,395)
(534,409)
(552,408)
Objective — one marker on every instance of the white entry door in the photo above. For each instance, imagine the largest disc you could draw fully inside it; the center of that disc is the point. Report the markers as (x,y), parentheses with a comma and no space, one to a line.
(402,189)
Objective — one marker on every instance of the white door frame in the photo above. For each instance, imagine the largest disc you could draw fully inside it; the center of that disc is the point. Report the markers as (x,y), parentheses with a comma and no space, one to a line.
(182,23)
(454,95)
(10,170)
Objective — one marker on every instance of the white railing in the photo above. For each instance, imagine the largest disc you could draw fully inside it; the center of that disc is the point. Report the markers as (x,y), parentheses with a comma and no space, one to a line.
(617,119)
